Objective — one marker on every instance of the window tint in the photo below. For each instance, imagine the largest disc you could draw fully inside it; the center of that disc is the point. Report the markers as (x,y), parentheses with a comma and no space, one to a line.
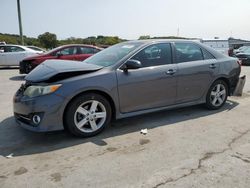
(68,51)
(187,52)
(87,50)
(13,49)
(154,55)
(207,55)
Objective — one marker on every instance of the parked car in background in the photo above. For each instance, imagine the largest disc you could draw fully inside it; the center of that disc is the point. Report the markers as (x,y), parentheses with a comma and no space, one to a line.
(124,80)
(40,50)
(241,49)
(244,56)
(76,52)
(11,55)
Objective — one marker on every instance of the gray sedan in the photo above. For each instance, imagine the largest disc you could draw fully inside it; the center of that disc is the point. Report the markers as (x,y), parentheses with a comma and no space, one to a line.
(124,80)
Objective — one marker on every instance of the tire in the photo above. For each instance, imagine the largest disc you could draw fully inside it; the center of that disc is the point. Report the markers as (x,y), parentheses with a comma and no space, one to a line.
(87,115)
(217,95)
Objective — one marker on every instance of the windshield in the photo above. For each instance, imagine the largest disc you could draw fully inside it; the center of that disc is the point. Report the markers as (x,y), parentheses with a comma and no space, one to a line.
(113,54)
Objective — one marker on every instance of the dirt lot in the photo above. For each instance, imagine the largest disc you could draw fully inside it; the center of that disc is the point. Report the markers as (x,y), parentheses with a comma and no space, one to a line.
(190,147)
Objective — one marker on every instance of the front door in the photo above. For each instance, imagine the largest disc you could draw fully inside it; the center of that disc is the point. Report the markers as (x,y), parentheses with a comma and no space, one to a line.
(153,85)
(68,53)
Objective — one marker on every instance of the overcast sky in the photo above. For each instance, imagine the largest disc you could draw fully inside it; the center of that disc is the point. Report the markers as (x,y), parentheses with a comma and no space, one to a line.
(128,18)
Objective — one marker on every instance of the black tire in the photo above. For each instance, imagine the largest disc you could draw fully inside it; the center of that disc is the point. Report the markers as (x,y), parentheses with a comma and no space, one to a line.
(209,98)
(71,113)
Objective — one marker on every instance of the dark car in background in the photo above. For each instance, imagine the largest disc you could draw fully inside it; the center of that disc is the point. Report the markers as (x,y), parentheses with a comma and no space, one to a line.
(124,80)
(76,52)
(244,56)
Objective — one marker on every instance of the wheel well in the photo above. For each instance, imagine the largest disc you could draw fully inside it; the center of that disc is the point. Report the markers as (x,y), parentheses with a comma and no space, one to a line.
(110,100)
(226,81)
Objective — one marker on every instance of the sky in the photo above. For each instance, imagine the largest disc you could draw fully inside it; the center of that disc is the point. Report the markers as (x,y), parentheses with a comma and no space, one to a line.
(128,19)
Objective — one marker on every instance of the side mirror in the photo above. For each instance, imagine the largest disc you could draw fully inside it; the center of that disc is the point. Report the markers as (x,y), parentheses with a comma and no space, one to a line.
(131,64)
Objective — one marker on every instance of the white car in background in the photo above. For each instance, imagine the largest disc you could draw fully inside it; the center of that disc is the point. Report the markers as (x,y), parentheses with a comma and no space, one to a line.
(39,50)
(11,55)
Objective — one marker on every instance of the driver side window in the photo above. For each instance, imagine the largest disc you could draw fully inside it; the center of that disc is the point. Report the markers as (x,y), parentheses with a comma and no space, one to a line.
(155,55)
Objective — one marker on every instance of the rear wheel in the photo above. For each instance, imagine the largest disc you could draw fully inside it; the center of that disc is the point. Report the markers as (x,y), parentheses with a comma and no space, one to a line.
(217,95)
(87,115)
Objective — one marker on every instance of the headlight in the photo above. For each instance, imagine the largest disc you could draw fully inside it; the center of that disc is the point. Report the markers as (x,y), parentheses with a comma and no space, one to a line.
(34,91)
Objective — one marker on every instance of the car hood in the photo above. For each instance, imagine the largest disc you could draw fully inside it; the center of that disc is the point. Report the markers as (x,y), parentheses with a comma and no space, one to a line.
(54,70)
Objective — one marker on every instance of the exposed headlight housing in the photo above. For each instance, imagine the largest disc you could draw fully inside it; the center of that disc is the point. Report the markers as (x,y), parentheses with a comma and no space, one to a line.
(34,91)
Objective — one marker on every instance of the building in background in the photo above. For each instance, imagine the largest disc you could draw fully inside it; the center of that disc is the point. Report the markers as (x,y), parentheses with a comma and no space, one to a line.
(221,45)
(225,45)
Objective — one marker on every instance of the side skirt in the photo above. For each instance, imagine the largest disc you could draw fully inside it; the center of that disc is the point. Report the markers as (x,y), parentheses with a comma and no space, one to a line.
(130,114)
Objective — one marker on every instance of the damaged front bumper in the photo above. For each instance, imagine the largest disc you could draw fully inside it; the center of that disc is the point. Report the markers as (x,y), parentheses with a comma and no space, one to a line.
(39,114)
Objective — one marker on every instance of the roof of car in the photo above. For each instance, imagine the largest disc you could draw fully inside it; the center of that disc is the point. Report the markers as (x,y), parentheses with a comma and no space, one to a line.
(151,41)
(163,40)
(86,45)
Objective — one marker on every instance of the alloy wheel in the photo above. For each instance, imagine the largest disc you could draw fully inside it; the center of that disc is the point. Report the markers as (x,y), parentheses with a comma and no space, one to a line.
(218,95)
(90,116)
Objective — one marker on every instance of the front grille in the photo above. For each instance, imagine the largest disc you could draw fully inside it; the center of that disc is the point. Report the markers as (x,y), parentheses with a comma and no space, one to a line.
(25,66)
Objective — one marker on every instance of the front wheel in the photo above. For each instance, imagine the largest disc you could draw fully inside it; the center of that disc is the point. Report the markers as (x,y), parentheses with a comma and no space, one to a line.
(217,95)
(87,115)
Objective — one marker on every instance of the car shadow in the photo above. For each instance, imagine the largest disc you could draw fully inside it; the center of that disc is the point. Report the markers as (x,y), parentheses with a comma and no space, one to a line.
(18,141)
(17,78)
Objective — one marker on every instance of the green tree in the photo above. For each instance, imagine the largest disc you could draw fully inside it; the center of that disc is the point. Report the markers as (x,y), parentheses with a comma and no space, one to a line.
(48,40)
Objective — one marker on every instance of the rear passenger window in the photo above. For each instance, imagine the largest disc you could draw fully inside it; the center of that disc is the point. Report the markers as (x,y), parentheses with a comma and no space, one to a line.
(155,55)
(207,55)
(186,52)
(13,49)
(87,50)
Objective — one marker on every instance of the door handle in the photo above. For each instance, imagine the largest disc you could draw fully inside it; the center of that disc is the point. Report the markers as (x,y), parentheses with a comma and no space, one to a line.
(212,66)
(170,72)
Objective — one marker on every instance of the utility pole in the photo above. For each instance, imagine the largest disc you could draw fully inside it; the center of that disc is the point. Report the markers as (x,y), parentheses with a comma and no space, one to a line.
(20,21)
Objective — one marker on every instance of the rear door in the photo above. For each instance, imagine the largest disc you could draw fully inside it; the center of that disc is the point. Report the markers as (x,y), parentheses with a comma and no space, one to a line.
(196,70)
(153,85)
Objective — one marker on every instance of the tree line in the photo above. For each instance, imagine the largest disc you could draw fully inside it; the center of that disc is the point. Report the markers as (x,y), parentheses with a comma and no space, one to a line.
(49,40)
